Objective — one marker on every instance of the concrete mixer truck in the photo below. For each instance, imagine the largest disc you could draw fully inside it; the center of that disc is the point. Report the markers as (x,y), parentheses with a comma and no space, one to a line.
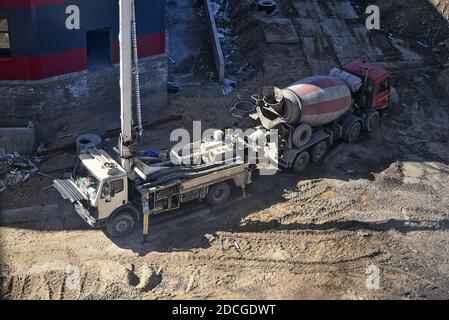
(313,113)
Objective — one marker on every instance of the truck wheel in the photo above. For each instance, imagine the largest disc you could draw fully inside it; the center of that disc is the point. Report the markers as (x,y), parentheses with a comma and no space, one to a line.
(121,225)
(354,132)
(372,121)
(301,162)
(319,151)
(219,194)
(302,135)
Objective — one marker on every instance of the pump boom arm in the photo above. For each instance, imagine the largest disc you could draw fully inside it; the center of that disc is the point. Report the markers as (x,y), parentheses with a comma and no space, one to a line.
(126,137)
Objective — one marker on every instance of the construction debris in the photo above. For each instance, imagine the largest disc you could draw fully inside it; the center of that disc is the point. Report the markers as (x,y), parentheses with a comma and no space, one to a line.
(229,87)
(14,169)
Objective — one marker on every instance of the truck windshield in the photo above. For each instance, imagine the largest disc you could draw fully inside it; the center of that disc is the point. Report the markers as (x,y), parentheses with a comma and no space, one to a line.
(86,181)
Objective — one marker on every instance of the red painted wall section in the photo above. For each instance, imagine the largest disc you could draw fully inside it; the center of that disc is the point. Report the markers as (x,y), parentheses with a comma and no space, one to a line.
(28,3)
(149,45)
(53,64)
(60,63)
(16,68)
(40,67)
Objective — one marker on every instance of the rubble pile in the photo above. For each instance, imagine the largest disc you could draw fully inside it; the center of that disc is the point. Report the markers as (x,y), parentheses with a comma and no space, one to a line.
(14,169)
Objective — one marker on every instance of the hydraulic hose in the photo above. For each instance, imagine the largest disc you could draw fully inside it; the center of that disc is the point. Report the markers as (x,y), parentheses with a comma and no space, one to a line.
(188,174)
(170,171)
(136,70)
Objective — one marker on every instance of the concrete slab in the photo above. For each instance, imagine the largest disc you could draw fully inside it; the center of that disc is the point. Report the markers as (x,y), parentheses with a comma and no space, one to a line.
(279,31)
(307,27)
(308,9)
(330,29)
(321,67)
(343,9)
(318,48)
(335,28)
(349,41)
(347,48)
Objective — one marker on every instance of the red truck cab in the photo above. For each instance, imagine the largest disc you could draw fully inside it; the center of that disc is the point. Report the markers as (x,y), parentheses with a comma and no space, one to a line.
(377,84)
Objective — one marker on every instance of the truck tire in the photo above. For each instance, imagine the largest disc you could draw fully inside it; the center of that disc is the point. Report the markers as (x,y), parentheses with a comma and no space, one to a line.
(372,121)
(354,132)
(301,162)
(319,151)
(302,135)
(219,194)
(121,224)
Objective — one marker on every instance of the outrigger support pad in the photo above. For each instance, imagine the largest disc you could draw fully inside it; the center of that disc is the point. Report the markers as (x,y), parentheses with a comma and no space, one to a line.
(146,226)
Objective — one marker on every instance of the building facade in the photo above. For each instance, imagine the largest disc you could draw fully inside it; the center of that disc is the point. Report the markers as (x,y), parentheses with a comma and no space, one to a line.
(57,43)
(40,38)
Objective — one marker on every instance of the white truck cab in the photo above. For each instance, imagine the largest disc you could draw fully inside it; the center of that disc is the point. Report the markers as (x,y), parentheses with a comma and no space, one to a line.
(98,187)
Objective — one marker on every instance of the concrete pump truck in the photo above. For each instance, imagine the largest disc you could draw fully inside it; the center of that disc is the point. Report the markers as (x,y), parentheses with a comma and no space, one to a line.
(307,116)
(115,195)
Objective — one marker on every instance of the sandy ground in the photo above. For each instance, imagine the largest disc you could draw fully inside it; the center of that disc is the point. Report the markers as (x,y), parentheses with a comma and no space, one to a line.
(370,222)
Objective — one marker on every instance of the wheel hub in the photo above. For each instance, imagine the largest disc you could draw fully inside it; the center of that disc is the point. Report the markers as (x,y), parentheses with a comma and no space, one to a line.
(355,132)
(121,226)
(219,194)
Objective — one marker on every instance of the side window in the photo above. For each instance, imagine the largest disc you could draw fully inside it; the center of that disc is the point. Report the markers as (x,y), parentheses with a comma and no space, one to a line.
(117,185)
(5,41)
(112,188)
(384,86)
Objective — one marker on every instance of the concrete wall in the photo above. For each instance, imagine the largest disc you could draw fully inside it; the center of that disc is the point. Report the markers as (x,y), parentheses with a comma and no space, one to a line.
(49,99)
(216,45)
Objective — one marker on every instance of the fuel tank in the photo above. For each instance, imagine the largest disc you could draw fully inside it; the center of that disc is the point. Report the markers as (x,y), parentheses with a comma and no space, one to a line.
(316,100)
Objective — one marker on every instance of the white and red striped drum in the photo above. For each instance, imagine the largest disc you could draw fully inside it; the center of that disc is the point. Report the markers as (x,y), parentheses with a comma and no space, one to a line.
(322,99)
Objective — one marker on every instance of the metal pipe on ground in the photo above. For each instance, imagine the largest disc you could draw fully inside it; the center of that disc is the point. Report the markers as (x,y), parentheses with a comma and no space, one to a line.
(107,135)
